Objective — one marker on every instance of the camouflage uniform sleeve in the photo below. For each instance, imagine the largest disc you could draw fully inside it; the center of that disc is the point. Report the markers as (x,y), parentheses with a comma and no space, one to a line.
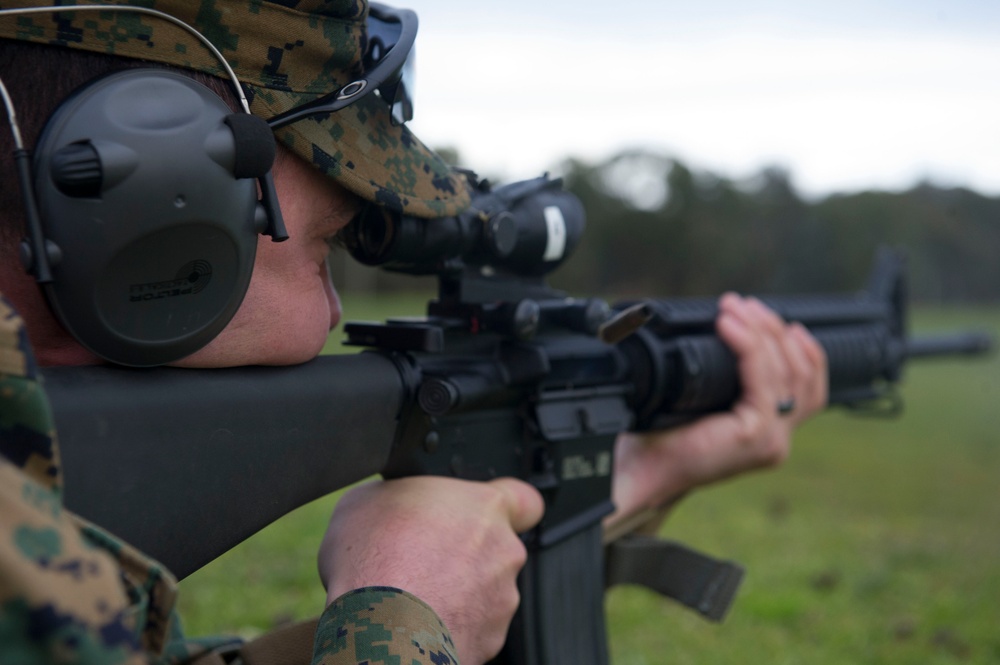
(72,593)
(62,598)
(382,625)
(67,593)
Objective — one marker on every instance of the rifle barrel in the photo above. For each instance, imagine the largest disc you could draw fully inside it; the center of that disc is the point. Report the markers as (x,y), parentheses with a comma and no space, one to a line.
(967,343)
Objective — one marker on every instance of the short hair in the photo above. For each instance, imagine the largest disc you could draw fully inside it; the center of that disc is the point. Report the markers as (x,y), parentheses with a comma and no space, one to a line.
(39,77)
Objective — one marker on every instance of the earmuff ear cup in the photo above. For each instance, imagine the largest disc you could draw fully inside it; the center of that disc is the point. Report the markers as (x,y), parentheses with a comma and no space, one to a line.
(138,186)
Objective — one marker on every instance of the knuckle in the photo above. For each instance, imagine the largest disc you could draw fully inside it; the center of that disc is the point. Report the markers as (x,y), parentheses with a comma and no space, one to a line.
(752,426)
(493,644)
(772,450)
(769,317)
(495,497)
(766,440)
(492,640)
(519,553)
(511,601)
(778,452)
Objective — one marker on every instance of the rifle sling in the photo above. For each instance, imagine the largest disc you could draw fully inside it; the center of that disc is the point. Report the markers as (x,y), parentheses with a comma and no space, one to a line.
(696,580)
(289,645)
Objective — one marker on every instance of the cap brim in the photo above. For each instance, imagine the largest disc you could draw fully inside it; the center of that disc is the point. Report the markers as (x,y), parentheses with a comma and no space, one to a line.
(360,148)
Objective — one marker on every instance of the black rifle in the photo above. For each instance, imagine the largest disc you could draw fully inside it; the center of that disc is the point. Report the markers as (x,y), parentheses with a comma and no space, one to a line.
(505,377)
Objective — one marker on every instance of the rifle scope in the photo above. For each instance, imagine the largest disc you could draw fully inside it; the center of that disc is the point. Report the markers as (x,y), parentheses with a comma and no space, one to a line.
(526,228)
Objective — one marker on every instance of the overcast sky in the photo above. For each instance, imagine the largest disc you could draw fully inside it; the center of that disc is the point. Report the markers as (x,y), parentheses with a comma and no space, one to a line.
(845,94)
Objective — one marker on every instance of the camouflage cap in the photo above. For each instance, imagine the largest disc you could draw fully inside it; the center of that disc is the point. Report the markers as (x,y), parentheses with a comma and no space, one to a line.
(286,53)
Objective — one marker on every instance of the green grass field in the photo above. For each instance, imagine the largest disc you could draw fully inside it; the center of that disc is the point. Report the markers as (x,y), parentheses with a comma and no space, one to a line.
(878,542)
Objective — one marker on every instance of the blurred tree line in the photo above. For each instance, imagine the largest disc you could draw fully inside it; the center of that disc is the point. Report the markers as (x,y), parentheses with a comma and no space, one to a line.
(655,226)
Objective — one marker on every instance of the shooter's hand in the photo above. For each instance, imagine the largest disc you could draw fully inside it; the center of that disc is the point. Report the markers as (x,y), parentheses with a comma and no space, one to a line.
(783,374)
(451,543)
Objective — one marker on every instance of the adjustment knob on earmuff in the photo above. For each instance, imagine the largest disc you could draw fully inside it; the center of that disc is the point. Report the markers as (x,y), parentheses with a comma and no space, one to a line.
(76,170)
(84,169)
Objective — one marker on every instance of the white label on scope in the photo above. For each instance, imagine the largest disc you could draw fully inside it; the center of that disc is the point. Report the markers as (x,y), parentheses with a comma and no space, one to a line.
(556,243)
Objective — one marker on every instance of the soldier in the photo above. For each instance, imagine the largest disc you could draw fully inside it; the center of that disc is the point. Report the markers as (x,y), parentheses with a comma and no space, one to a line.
(71,592)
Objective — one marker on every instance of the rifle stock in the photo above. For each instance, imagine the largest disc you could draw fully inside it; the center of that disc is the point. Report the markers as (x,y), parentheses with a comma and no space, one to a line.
(505,377)
(186,464)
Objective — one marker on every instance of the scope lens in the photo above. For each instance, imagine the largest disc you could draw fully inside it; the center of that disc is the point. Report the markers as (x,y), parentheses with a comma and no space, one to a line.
(503,234)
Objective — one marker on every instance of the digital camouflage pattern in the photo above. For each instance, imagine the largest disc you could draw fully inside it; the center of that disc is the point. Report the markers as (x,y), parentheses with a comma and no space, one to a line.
(72,593)
(382,625)
(68,592)
(286,53)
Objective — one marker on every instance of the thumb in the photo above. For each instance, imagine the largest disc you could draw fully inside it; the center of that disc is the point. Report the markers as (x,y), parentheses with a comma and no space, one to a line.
(524,503)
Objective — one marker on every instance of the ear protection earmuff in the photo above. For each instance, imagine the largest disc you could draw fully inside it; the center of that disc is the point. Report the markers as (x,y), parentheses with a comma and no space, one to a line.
(143,213)
(146,184)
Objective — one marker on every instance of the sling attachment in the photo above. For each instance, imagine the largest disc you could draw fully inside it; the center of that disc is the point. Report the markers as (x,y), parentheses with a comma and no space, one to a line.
(288,645)
(696,580)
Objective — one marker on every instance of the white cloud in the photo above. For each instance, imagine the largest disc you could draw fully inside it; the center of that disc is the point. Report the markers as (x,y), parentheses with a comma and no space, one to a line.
(839,109)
